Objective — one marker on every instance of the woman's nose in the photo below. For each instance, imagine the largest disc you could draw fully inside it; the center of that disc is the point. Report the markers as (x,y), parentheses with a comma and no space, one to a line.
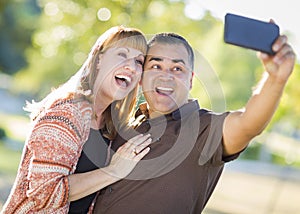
(130,65)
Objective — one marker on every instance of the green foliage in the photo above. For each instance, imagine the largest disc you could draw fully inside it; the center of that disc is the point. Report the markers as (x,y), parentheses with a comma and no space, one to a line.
(15,126)
(280,160)
(17,24)
(252,152)
(9,160)
(62,34)
(2,133)
(289,107)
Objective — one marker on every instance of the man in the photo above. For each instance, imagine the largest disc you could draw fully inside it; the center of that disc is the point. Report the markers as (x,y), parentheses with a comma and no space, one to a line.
(190,144)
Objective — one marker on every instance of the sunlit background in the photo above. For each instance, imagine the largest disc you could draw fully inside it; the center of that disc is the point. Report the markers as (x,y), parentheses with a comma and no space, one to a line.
(44,42)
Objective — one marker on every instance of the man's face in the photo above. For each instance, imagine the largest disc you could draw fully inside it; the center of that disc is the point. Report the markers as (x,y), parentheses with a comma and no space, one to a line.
(167,77)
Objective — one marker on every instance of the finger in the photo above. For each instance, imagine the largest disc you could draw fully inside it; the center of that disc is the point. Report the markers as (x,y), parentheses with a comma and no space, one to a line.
(280,41)
(139,156)
(282,54)
(263,56)
(135,138)
(139,140)
(143,145)
(142,140)
(131,141)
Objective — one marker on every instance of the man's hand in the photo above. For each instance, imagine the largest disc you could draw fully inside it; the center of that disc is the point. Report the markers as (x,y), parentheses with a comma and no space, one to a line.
(279,66)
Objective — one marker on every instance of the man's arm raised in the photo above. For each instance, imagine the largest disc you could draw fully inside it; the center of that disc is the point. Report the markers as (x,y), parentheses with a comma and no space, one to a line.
(242,126)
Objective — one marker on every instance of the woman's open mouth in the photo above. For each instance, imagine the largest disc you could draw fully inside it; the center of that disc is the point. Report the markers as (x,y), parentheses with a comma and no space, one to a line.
(123,80)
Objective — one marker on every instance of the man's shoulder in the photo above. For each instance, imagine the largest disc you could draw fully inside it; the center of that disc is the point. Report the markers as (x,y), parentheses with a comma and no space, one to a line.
(210,113)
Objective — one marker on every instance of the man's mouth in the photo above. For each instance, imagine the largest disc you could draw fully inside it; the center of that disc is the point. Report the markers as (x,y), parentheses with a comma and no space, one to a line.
(164,90)
(123,80)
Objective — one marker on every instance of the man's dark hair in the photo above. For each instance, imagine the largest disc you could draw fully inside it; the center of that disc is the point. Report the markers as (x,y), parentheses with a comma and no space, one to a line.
(173,38)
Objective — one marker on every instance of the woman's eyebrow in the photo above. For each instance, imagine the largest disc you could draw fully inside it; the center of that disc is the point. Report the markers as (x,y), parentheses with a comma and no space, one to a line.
(125,48)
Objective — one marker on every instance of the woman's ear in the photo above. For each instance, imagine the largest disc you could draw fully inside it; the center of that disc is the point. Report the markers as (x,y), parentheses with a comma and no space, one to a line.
(99,60)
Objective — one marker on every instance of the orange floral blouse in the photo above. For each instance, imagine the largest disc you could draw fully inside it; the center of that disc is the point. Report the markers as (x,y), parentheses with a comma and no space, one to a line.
(50,154)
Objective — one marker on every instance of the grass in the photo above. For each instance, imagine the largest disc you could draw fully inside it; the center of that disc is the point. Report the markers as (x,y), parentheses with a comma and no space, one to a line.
(16,128)
(9,160)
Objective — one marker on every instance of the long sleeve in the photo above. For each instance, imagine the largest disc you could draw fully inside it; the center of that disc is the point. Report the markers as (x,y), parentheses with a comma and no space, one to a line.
(52,151)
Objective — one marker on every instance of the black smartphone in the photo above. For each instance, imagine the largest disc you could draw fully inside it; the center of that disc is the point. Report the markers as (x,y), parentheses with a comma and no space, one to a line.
(250,33)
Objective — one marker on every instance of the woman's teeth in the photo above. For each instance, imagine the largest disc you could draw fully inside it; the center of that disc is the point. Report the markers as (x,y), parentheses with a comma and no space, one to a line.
(123,80)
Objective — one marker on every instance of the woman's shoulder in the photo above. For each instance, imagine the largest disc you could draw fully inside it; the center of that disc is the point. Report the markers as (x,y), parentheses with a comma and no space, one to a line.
(73,107)
(72,100)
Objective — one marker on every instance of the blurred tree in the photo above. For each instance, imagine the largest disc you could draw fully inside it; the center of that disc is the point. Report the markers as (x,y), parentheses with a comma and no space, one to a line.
(16,24)
(65,31)
(289,107)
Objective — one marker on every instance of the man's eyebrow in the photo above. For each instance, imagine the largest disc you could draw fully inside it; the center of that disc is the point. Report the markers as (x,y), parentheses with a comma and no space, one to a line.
(178,61)
(161,59)
(155,59)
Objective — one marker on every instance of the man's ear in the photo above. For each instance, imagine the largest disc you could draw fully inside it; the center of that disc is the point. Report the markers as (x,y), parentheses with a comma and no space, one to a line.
(191,80)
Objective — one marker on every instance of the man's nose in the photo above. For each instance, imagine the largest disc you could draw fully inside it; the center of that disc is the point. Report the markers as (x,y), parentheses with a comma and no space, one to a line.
(167,74)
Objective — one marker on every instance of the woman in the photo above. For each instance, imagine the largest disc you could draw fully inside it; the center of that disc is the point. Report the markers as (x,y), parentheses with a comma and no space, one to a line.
(104,88)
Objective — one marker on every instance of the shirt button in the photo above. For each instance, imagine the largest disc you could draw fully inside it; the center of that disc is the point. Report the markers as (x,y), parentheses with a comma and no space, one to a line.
(110,189)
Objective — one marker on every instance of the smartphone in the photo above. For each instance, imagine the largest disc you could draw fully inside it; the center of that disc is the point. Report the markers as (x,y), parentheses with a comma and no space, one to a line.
(250,33)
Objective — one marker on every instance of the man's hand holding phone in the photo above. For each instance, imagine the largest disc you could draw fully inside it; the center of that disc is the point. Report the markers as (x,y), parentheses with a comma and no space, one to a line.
(250,33)
(275,53)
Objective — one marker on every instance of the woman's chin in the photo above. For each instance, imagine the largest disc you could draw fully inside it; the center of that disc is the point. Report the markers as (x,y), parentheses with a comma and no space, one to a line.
(120,95)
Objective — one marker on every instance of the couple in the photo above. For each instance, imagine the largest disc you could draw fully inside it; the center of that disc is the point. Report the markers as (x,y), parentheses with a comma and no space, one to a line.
(83,142)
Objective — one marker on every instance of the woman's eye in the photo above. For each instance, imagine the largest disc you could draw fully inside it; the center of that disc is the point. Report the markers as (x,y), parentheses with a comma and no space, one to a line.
(122,54)
(140,62)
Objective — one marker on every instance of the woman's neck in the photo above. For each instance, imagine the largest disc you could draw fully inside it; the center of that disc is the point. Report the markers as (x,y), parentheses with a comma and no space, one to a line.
(101,103)
(98,119)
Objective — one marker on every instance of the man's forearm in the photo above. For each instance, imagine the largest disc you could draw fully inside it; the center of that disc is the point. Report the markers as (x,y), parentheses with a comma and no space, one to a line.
(262,105)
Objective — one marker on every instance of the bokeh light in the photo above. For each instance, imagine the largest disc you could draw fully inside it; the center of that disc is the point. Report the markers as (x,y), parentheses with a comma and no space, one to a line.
(103,14)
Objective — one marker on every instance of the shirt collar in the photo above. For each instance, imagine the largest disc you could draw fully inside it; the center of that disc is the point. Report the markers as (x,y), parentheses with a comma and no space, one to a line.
(179,113)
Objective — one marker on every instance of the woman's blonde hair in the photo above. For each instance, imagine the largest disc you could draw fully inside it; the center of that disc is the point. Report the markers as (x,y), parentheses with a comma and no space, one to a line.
(81,85)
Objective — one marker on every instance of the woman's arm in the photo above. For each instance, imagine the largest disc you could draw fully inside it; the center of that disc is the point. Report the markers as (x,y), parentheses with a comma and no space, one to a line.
(54,147)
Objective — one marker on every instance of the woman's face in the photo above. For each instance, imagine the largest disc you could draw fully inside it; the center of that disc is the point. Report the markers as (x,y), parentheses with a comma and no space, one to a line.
(120,70)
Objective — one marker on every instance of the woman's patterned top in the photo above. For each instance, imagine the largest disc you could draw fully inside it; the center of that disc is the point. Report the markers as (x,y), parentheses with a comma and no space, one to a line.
(50,154)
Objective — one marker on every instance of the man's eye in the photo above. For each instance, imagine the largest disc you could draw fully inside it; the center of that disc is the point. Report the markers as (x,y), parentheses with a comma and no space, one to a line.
(155,67)
(177,69)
